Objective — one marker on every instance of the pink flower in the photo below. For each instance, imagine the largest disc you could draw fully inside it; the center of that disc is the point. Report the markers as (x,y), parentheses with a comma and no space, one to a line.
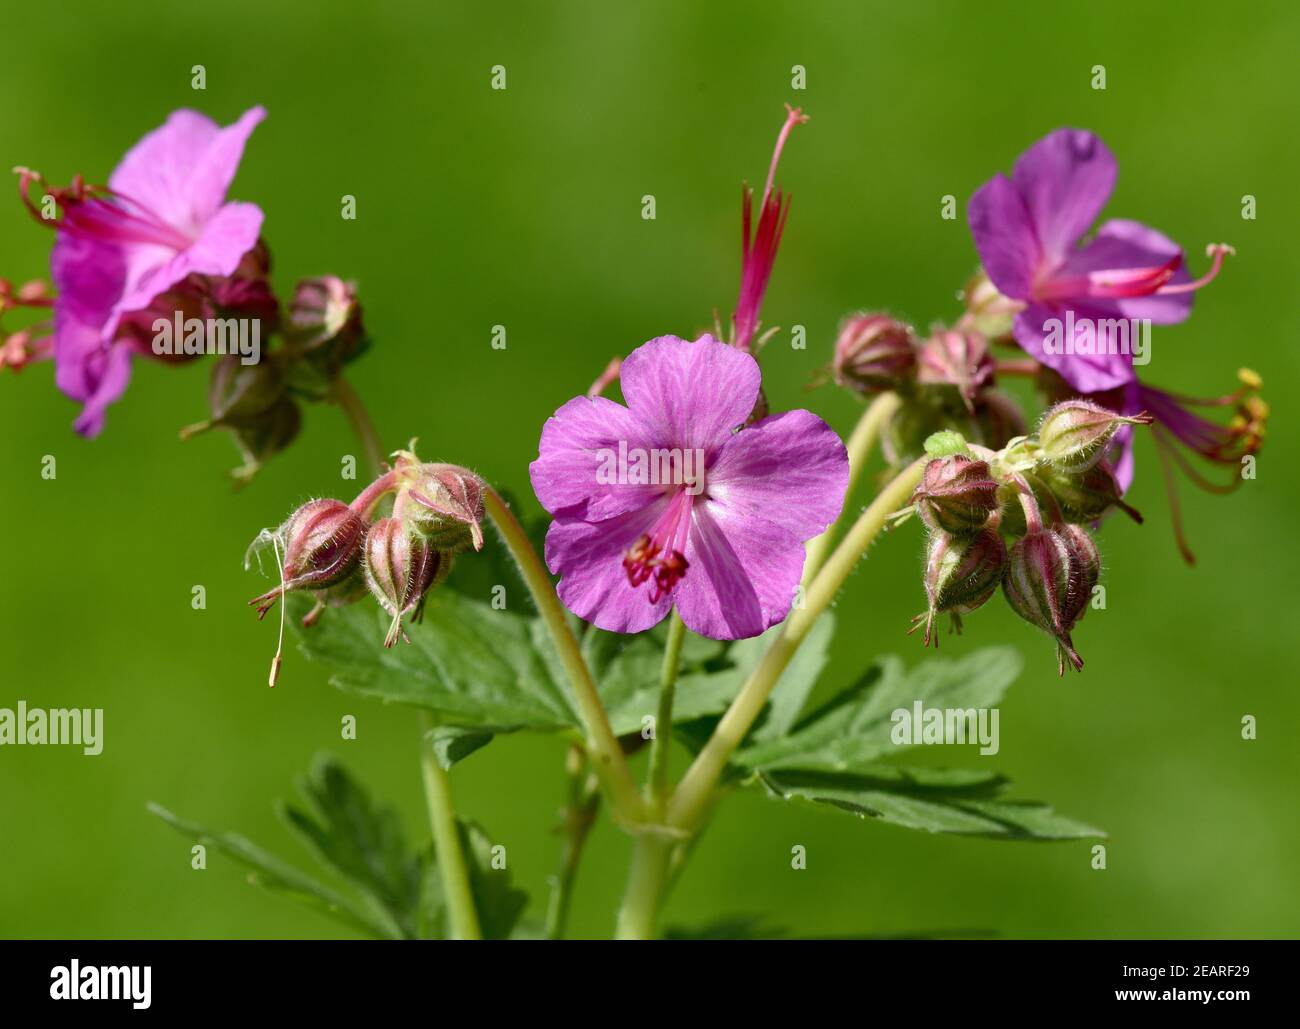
(162,218)
(722,536)
(1029,229)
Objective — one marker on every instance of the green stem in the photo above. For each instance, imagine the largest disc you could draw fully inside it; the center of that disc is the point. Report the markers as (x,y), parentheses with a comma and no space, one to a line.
(663,736)
(639,914)
(446,842)
(602,745)
(861,441)
(693,792)
(579,816)
(359,418)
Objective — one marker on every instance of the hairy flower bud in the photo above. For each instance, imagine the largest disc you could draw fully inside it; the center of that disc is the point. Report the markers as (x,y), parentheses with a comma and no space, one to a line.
(324,321)
(957,359)
(961,574)
(1075,433)
(322,543)
(1085,567)
(956,495)
(442,502)
(401,566)
(874,353)
(1039,585)
(1085,495)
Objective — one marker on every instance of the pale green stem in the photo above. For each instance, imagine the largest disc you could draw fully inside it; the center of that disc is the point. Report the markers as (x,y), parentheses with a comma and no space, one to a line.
(639,913)
(602,745)
(446,842)
(860,444)
(663,736)
(693,792)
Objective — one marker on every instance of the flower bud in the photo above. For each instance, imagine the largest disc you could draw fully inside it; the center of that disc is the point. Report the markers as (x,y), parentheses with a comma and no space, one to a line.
(442,502)
(874,353)
(957,359)
(1085,566)
(956,495)
(1086,495)
(324,321)
(987,310)
(240,392)
(1075,433)
(1039,583)
(961,574)
(322,543)
(401,566)
(265,435)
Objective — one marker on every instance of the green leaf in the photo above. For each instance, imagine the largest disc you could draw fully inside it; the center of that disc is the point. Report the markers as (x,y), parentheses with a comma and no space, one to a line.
(933,800)
(471,665)
(855,726)
(498,902)
(276,876)
(451,744)
(358,839)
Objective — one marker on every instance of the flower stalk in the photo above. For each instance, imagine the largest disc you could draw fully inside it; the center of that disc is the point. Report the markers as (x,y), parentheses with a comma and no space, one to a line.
(446,842)
(861,441)
(660,746)
(602,745)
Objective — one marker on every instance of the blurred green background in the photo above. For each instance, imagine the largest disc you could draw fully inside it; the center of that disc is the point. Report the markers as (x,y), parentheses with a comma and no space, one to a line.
(522,208)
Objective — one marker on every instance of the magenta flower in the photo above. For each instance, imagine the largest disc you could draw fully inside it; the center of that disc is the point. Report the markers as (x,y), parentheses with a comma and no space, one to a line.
(668,501)
(162,218)
(1028,230)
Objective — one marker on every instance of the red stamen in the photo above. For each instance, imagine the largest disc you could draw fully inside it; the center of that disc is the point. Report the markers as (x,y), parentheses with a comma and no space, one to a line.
(643,562)
(95,212)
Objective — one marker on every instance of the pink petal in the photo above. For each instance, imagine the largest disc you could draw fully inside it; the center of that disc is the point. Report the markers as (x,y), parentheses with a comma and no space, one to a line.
(182,170)
(588,557)
(742,576)
(88,276)
(1088,373)
(151,271)
(1123,244)
(1005,238)
(572,451)
(1065,179)
(111,372)
(790,469)
(692,394)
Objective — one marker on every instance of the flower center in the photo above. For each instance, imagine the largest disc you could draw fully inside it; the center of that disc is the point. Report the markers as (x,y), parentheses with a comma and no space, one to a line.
(1119,283)
(658,557)
(95,212)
